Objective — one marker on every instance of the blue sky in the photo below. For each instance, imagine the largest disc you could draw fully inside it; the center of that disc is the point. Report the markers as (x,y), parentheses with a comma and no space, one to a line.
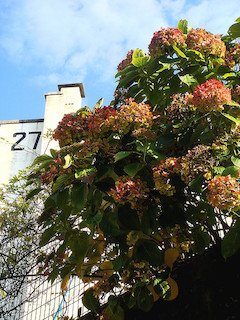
(44,43)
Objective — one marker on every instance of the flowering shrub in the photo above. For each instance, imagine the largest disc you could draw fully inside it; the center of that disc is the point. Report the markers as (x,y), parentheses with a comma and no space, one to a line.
(206,43)
(163,39)
(135,185)
(211,96)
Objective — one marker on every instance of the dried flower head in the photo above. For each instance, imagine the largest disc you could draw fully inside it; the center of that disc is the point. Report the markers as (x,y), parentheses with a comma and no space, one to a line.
(224,192)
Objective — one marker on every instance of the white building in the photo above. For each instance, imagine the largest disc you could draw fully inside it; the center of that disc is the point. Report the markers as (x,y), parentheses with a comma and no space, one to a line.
(20,142)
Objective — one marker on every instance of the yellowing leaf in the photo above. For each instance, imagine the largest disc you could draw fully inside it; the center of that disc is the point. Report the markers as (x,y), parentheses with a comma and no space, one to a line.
(154,294)
(173,287)
(171,256)
(65,283)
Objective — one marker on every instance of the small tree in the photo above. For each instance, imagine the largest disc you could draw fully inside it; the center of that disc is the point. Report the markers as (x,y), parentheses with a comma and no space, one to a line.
(19,242)
(151,180)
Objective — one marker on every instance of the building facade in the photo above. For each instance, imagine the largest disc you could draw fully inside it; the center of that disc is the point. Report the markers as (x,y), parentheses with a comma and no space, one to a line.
(21,141)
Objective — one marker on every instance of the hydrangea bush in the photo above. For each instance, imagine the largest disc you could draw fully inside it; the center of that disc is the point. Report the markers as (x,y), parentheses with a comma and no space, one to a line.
(151,180)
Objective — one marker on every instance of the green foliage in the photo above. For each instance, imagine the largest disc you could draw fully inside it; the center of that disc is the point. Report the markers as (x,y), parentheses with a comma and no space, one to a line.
(156,170)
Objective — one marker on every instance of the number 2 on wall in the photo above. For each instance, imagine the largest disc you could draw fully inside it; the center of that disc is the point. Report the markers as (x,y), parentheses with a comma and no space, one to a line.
(23,136)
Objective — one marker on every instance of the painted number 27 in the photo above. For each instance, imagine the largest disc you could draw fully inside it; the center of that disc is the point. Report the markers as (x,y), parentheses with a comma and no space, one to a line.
(21,136)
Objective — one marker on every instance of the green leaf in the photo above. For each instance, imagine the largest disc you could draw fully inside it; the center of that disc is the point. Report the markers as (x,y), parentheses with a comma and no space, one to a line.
(184,26)
(197,183)
(46,164)
(47,235)
(161,287)
(133,168)
(110,223)
(230,117)
(139,58)
(144,298)
(121,155)
(32,193)
(179,52)
(188,80)
(114,310)
(60,182)
(79,195)
(235,161)
(41,159)
(98,104)
(138,53)
(90,301)
(231,241)
(233,171)
(201,239)
(120,262)
(219,170)
(194,54)
(54,153)
(234,30)
(149,251)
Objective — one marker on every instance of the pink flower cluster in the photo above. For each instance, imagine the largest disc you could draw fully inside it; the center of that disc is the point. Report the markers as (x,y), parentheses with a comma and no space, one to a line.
(122,65)
(134,115)
(233,55)
(163,39)
(163,173)
(206,43)
(224,193)
(132,190)
(211,96)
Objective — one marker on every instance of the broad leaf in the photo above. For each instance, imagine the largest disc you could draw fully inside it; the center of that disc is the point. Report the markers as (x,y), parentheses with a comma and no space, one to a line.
(90,301)
(61,180)
(184,26)
(133,168)
(121,155)
(231,241)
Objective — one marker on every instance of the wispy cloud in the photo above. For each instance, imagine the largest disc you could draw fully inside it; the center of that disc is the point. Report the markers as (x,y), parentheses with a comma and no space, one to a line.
(73,38)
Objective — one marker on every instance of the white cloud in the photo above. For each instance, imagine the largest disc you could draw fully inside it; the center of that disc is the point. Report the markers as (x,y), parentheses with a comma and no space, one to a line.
(70,39)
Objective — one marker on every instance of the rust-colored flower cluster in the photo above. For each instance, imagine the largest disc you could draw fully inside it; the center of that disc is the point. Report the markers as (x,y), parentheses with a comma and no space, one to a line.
(125,62)
(211,96)
(224,192)
(162,175)
(100,121)
(198,160)
(131,190)
(206,43)
(163,39)
(72,128)
(53,171)
(180,109)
